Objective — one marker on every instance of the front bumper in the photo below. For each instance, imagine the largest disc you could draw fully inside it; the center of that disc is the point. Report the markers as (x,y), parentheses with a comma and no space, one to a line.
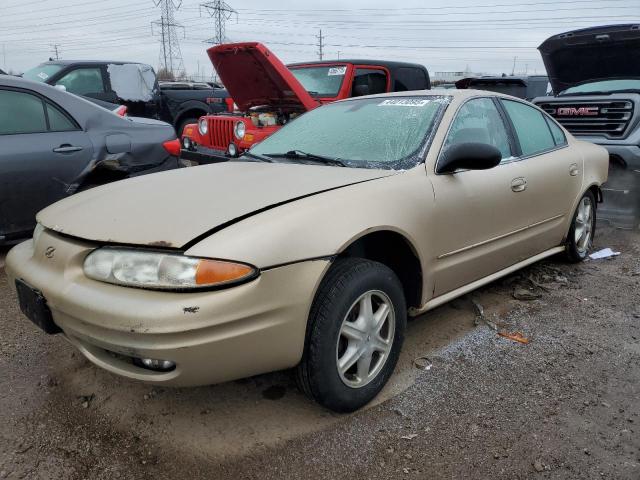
(212,336)
(202,156)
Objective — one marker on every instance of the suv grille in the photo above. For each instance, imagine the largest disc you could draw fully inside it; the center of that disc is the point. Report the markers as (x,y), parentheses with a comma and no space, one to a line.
(220,132)
(608,118)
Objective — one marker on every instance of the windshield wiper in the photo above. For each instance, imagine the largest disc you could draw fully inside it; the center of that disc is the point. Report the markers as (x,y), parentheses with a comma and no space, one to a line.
(257,156)
(300,155)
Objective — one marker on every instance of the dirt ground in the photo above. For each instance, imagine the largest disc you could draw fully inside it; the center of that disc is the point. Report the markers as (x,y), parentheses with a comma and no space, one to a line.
(565,405)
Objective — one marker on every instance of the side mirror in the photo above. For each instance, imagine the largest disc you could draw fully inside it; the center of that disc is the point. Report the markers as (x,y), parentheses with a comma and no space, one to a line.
(60,87)
(469,156)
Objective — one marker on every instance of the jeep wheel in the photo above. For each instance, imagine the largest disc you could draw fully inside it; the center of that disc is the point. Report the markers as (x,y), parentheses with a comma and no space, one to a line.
(355,332)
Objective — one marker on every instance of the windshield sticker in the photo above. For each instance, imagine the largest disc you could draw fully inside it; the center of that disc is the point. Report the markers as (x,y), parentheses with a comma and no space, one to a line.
(337,71)
(43,75)
(405,102)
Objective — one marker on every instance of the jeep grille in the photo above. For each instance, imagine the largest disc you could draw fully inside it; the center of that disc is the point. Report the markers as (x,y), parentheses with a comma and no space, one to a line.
(220,132)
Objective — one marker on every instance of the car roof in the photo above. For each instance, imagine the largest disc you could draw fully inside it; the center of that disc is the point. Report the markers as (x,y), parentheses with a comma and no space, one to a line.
(383,63)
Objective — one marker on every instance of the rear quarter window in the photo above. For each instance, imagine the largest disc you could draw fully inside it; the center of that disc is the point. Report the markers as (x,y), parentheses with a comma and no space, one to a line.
(407,78)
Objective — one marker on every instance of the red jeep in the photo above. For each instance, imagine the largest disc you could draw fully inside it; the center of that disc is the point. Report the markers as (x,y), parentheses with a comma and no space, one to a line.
(268,94)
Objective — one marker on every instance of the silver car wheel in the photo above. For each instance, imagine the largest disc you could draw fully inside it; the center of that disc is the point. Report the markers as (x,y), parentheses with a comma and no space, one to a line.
(583,225)
(365,339)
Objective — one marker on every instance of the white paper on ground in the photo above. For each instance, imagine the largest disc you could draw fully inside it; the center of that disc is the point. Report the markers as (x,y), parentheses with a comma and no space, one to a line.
(604,253)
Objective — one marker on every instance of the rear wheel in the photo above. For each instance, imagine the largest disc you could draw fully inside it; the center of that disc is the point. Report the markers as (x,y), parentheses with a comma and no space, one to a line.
(356,329)
(583,227)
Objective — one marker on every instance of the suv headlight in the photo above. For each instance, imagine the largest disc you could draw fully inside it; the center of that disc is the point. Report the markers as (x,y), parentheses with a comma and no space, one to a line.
(163,271)
(239,130)
(203,126)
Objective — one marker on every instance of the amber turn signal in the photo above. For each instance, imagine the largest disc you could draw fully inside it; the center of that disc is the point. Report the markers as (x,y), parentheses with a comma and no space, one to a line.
(212,272)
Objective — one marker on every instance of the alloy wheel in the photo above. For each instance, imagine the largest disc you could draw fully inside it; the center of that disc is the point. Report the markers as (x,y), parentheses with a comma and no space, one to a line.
(584,225)
(365,339)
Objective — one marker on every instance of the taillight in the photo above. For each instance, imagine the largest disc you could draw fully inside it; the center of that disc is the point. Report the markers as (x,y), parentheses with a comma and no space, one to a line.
(121,111)
(173,147)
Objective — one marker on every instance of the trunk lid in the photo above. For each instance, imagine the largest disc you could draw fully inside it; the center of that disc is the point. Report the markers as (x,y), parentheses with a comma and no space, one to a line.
(170,209)
(592,54)
(254,76)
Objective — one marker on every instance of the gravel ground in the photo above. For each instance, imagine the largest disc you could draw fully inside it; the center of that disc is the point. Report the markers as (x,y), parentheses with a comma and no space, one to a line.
(565,405)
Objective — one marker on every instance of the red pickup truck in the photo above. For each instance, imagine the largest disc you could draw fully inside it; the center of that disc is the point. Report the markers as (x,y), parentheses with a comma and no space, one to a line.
(268,94)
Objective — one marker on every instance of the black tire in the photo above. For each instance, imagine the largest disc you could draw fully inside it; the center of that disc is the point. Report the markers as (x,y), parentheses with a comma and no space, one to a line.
(184,123)
(317,374)
(576,252)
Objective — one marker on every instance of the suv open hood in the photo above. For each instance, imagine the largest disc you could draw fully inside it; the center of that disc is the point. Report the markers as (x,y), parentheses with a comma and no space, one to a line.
(254,76)
(592,54)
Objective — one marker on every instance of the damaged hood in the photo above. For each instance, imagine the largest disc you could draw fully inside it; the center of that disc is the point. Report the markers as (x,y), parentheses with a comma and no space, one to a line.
(254,76)
(171,209)
(592,54)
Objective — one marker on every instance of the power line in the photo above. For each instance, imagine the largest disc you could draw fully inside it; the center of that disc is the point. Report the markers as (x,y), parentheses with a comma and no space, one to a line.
(220,11)
(170,54)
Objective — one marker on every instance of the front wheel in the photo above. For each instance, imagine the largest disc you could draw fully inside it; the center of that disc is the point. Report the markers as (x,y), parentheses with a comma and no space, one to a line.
(355,333)
(184,123)
(583,227)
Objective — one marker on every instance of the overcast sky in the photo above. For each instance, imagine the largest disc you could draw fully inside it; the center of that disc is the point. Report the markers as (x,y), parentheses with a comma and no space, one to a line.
(444,35)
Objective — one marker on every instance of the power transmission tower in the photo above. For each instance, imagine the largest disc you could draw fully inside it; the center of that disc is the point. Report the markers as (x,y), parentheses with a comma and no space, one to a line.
(320,45)
(170,54)
(55,51)
(220,11)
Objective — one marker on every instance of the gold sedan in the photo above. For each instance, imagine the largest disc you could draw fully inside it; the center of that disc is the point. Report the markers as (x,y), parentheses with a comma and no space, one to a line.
(311,250)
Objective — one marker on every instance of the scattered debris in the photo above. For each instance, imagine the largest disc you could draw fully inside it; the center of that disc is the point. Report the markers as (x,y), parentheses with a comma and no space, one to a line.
(411,436)
(604,253)
(422,363)
(86,400)
(526,295)
(538,466)
(516,337)
(481,317)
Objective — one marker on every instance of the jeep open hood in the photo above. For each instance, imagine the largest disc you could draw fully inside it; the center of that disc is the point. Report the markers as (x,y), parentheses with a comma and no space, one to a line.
(592,54)
(170,209)
(254,76)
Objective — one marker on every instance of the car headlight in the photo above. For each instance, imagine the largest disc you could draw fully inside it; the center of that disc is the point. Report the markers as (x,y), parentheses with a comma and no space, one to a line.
(163,271)
(239,130)
(203,126)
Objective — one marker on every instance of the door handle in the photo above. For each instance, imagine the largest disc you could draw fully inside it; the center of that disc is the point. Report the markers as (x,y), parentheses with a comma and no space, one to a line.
(519,184)
(67,149)
(573,169)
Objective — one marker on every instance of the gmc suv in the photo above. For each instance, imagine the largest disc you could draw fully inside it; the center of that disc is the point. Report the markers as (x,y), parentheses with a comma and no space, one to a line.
(596,74)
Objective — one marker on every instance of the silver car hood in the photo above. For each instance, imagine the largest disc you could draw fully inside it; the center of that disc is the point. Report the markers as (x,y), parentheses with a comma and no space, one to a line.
(171,209)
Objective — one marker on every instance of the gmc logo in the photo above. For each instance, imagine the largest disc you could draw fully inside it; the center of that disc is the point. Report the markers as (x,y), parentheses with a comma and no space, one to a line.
(576,112)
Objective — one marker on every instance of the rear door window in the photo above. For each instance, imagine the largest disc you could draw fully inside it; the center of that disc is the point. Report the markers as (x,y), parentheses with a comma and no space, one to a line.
(21,113)
(368,81)
(83,81)
(531,128)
